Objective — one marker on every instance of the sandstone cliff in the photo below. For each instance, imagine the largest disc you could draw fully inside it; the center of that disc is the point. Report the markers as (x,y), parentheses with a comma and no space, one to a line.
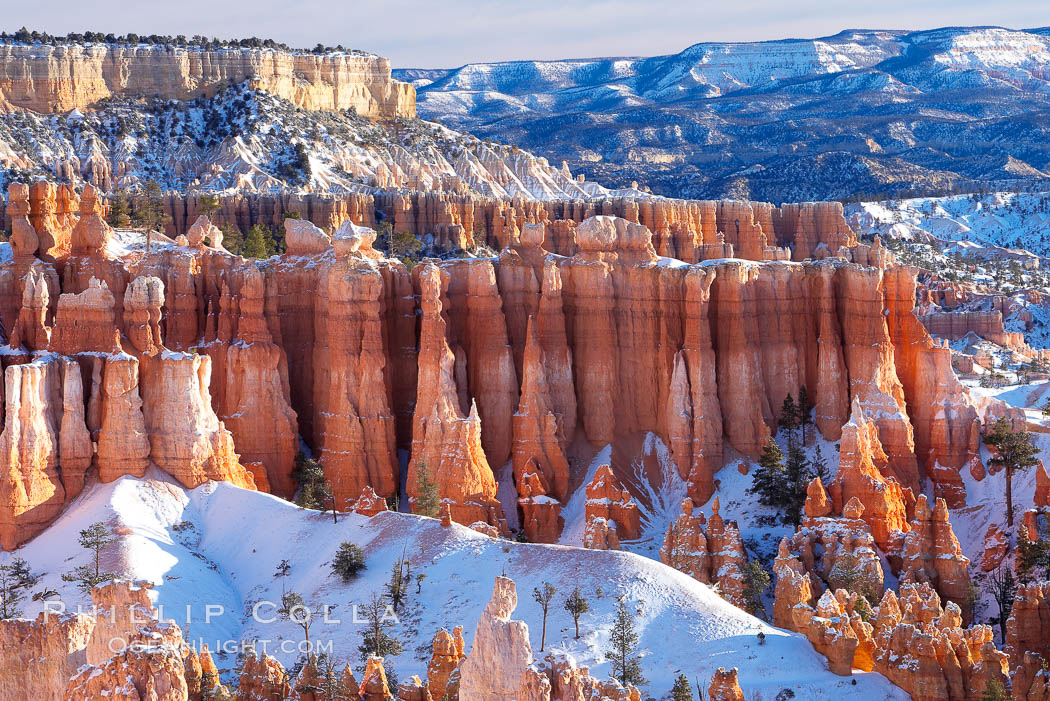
(61,78)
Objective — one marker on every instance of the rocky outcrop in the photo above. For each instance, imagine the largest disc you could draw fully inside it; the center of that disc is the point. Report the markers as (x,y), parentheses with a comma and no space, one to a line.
(445,438)
(944,417)
(610,512)
(724,686)
(322,341)
(44,448)
(501,651)
(1028,627)
(137,674)
(860,476)
(62,78)
(249,383)
(446,655)
(374,685)
(187,440)
(922,648)
(558,678)
(262,679)
(932,553)
(716,556)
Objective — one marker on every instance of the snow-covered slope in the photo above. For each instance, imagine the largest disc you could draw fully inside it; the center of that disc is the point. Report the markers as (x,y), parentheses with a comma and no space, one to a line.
(997,220)
(250,141)
(864,111)
(220,545)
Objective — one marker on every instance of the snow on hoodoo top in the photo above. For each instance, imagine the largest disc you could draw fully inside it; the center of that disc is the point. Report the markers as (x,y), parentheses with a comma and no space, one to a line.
(221,545)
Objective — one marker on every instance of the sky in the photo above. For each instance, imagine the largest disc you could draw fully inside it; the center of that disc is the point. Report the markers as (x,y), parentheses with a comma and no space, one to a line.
(454,32)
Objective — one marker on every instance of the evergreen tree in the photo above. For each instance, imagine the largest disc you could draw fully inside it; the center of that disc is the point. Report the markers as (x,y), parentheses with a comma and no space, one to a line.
(682,689)
(400,578)
(94,538)
(349,561)
(804,407)
(15,579)
(1003,587)
(376,641)
(543,597)
(848,573)
(428,501)
(797,475)
(756,582)
(1014,452)
(149,211)
(789,415)
(119,210)
(820,467)
(576,605)
(257,242)
(621,652)
(232,240)
(208,205)
(767,482)
(1032,558)
(315,492)
(995,691)
(294,609)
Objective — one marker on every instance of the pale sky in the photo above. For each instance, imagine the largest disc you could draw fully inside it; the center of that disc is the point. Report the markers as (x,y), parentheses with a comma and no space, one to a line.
(450,33)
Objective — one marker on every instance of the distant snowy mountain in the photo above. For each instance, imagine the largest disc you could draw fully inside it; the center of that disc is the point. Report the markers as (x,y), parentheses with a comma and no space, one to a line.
(863,111)
(998,220)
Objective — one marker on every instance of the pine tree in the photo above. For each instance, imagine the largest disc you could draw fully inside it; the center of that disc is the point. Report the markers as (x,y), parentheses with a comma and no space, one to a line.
(756,582)
(797,475)
(119,210)
(1032,558)
(294,609)
(94,538)
(1003,588)
(315,492)
(149,211)
(768,478)
(621,652)
(576,605)
(232,240)
(428,501)
(682,689)
(397,587)
(1014,452)
(804,407)
(848,573)
(256,243)
(349,561)
(820,467)
(995,691)
(376,641)
(15,578)
(789,415)
(543,598)
(208,205)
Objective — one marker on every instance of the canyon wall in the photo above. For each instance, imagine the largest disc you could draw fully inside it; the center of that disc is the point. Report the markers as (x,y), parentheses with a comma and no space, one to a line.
(49,79)
(467,364)
(689,230)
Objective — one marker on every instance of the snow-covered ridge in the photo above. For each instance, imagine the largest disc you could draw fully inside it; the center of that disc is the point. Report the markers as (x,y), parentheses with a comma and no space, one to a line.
(216,545)
(864,111)
(252,141)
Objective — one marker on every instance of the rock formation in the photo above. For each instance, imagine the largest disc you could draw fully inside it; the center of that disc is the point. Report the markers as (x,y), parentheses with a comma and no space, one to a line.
(724,686)
(716,556)
(610,512)
(501,651)
(62,78)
